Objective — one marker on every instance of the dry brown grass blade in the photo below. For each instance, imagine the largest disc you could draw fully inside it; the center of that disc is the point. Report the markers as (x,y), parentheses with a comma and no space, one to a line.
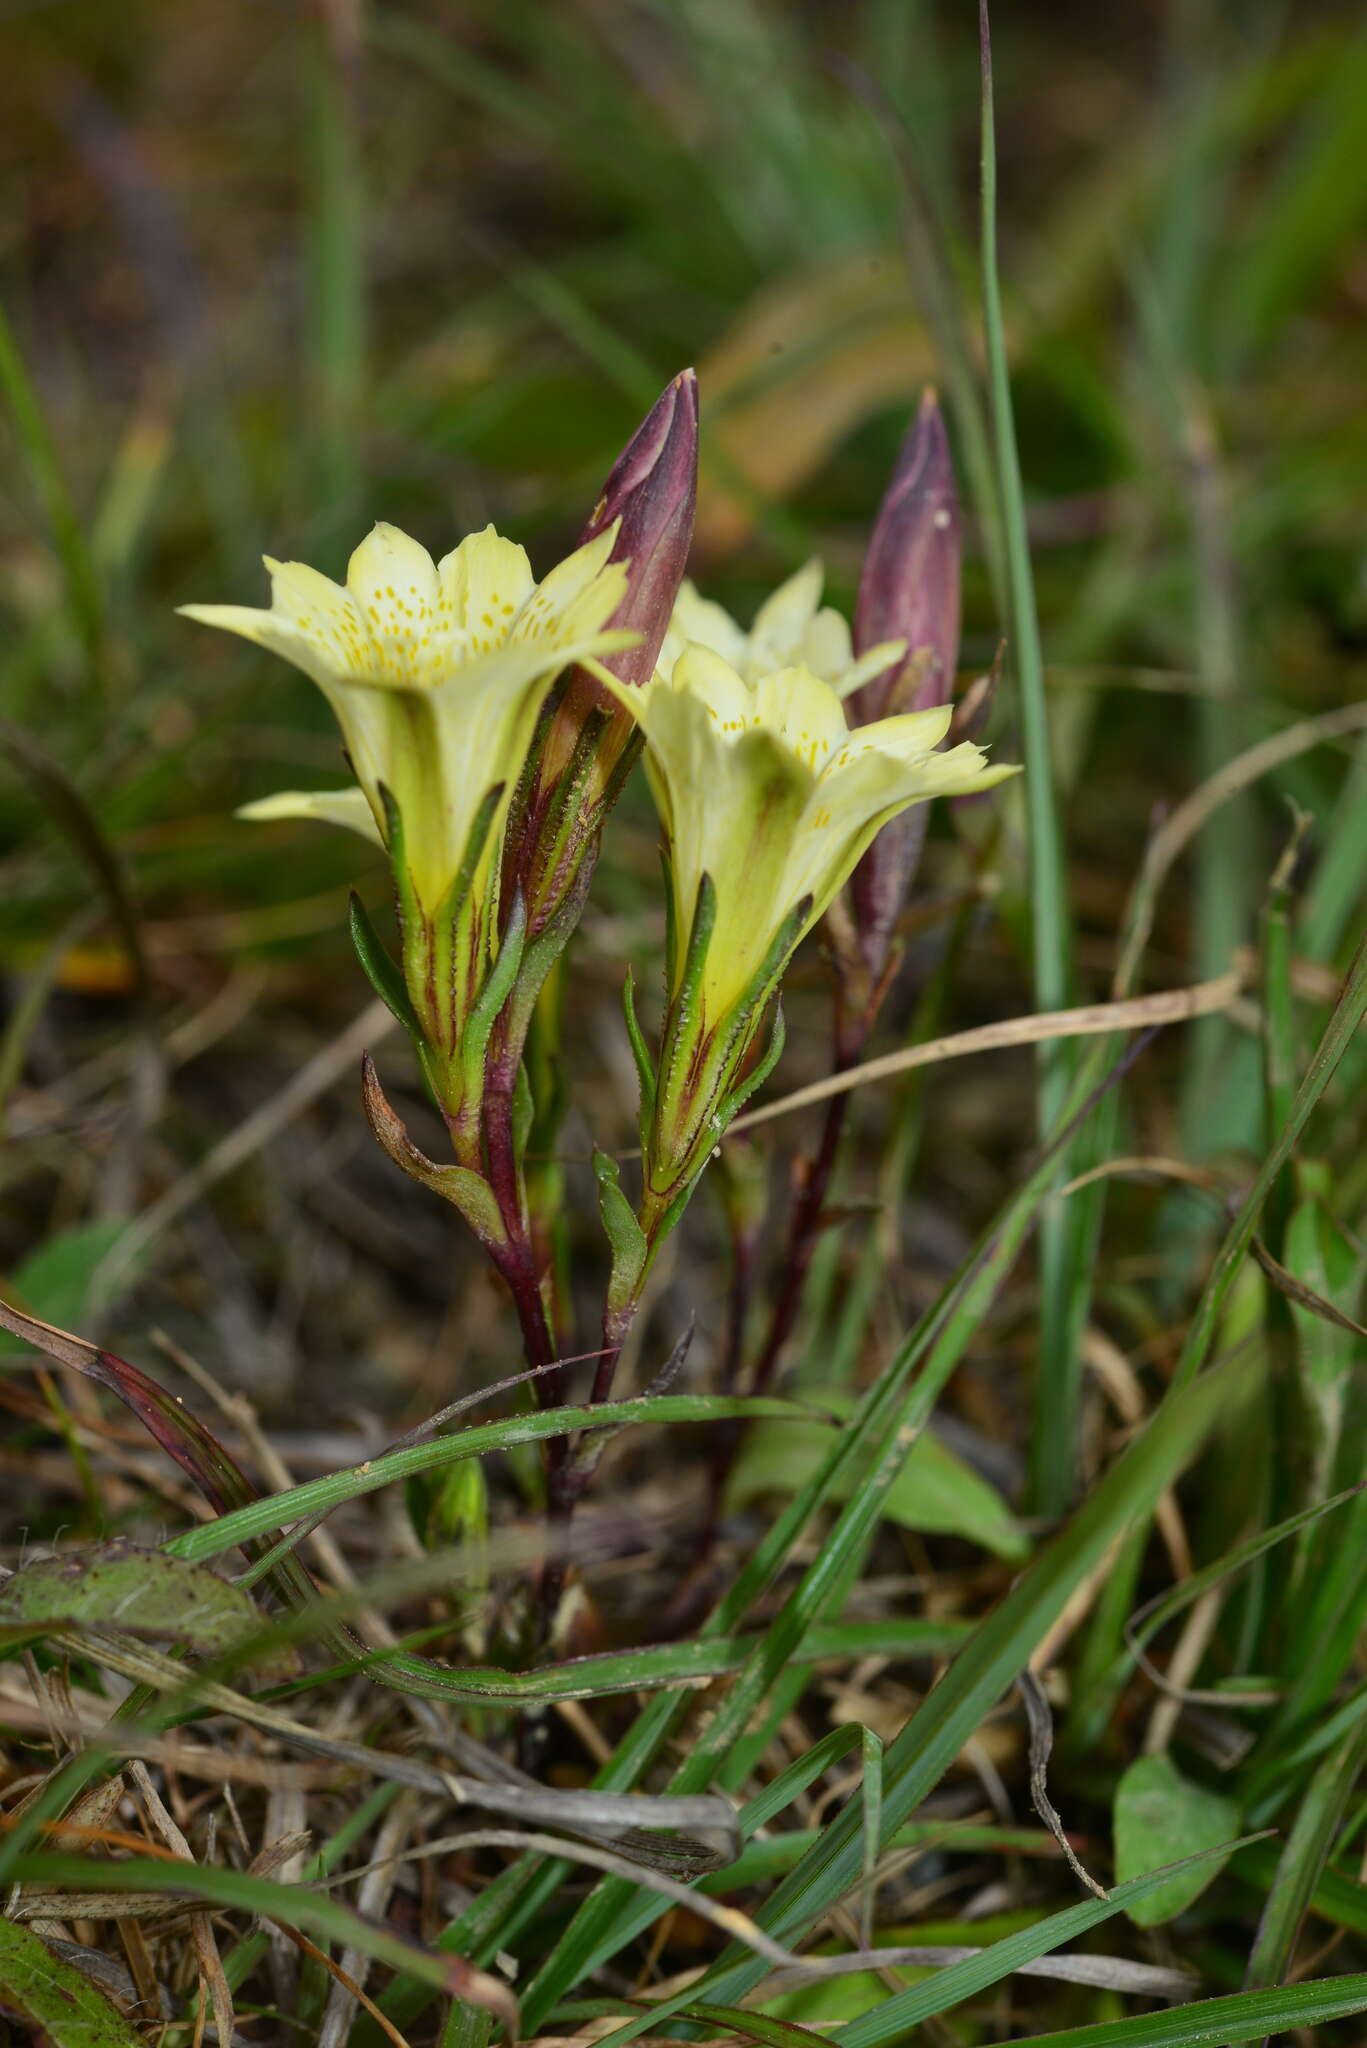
(1041,1721)
(618,1817)
(372,1900)
(342,1981)
(735,1925)
(201,1927)
(1146,1166)
(90,1717)
(1168,1006)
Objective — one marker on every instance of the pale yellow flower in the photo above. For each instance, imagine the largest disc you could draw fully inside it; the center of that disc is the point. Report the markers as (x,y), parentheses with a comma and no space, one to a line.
(792,629)
(435,672)
(763,787)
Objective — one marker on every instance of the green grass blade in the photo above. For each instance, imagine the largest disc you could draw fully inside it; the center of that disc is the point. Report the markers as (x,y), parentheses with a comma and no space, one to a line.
(1048,893)
(960,1981)
(1339,1033)
(1340,1900)
(274,1510)
(1340,877)
(981,1673)
(1247,2016)
(1303,1860)
(878,1438)
(294,1905)
(335,216)
(1056,1394)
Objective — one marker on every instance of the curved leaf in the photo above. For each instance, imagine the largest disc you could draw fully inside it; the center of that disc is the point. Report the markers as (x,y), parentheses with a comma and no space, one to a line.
(60,2003)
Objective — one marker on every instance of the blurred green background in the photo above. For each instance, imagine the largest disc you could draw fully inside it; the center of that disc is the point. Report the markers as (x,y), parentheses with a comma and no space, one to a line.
(272,271)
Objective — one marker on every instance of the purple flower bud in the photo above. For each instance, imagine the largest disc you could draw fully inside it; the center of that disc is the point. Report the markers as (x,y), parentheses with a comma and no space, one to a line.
(653,490)
(910,586)
(909,591)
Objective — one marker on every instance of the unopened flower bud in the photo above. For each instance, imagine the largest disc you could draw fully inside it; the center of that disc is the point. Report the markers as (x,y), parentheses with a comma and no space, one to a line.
(650,498)
(652,493)
(909,591)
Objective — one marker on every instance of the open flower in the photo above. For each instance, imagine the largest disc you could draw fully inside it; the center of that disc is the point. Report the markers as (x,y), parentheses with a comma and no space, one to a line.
(768,798)
(435,672)
(764,788)
(792,629)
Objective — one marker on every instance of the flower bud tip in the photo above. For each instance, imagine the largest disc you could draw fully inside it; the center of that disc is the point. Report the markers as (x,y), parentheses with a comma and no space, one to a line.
(652,492)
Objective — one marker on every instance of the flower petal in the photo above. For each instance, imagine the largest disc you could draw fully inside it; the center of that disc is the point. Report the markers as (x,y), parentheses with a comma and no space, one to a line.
(388,565)
(704,677)
(266,629)
(580,594)
(697,621)
(854,676)
(346,807)
(394,585)
(484,584)
(804,712)
(825,647)
(909,738)
(783,619)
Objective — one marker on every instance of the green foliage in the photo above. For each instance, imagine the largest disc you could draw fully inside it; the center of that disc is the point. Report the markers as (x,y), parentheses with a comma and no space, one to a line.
(1161,1817)
(935,1490)
(55,1999)
(143,1592)
(55,1279)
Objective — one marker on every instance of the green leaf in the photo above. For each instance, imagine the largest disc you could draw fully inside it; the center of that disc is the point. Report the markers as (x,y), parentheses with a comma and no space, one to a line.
(59,2001)
(1160,1818)
(54,1281)
(144,1592)
(762,1069)
(273,1511)
(640,1053)
(380,971)
(935,1491)
(629,1247)
(474,1042)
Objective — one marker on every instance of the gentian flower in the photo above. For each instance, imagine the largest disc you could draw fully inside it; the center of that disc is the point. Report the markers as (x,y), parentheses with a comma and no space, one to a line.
(435,673)
(768,798)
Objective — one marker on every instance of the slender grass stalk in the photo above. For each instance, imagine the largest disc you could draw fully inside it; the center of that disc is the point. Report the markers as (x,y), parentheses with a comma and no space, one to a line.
(335,204)
(1057,1381)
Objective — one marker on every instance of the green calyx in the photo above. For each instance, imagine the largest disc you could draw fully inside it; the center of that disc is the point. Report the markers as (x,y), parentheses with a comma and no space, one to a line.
(701,1085)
